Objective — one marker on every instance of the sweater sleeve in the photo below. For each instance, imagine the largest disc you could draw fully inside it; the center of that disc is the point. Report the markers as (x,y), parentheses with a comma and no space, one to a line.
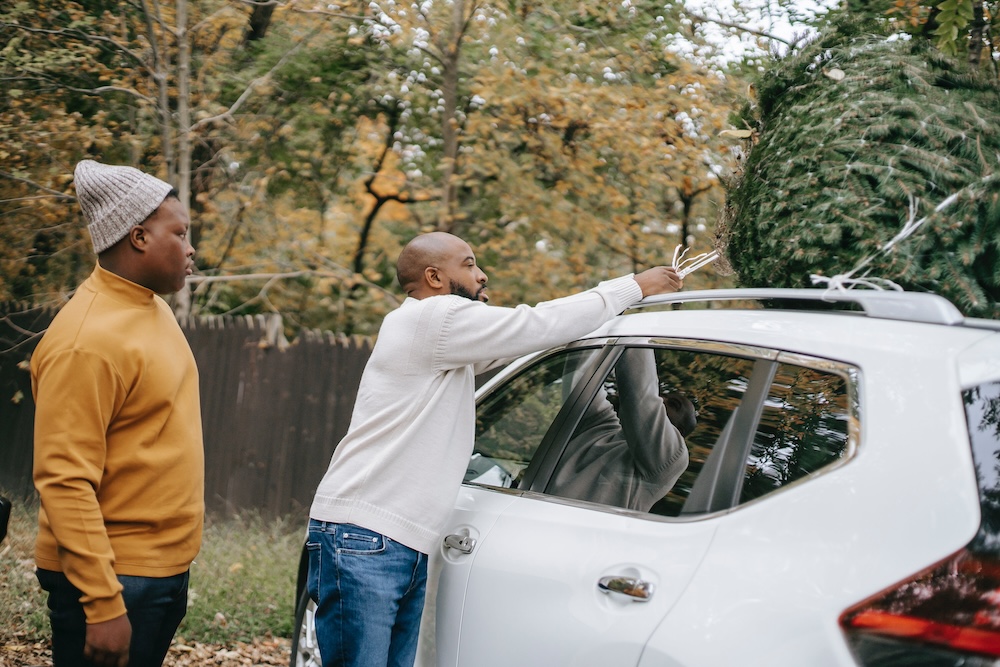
(76,395)
(474,333)
(656,447)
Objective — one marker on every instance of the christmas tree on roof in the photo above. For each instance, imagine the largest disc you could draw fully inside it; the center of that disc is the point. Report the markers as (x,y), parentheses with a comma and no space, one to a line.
(871,155)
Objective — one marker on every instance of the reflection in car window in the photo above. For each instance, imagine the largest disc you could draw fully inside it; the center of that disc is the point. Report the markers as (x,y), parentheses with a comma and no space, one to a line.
(757,424)
(716,384)
(803,427)
(712,383)
(512,421)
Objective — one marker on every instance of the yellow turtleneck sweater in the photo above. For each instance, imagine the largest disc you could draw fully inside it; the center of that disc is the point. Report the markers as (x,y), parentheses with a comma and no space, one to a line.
(119,461)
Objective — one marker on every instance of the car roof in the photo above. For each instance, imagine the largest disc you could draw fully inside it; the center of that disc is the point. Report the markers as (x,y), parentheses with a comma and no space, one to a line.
(797,320)
(881,304)
(852,326)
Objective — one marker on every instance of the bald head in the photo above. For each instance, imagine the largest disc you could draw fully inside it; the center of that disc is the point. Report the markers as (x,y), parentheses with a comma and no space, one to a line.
(439,263)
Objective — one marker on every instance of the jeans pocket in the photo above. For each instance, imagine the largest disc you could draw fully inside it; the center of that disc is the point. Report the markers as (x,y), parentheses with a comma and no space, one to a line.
(360,542)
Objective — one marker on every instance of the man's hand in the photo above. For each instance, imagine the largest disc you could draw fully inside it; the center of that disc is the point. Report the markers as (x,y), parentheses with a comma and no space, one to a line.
(659,280)
(107,642)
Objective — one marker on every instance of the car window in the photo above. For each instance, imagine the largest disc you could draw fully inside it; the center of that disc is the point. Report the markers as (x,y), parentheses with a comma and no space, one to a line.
(668,431)
(628,459)
(512,421)
(803,427)
(632,450)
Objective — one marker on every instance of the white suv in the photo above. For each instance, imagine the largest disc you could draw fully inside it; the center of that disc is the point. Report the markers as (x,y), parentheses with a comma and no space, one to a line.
(836,503)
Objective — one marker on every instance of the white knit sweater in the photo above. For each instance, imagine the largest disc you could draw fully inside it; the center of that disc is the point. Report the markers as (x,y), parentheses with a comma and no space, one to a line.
(399,468)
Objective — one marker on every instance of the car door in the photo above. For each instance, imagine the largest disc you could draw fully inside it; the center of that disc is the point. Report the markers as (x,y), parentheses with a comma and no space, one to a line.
(541,589)
(512,423)
(563,579)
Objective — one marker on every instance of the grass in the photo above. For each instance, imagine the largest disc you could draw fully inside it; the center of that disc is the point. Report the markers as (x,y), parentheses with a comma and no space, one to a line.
(242,582)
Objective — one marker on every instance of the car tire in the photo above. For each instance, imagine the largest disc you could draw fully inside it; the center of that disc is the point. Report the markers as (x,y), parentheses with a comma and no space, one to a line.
(305,647)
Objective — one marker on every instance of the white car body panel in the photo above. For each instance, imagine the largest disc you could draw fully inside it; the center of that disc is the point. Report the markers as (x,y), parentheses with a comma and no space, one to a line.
(533,597)
(476,512)
(798,557)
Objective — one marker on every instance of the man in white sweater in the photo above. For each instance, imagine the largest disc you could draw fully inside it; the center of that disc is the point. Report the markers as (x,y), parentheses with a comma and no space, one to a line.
(383,503)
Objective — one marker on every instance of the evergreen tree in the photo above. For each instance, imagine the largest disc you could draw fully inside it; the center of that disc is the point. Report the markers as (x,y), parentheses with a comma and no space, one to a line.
(853,137)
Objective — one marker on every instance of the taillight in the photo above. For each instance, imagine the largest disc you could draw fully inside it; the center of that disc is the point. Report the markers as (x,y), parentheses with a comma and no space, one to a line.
(948,615)
(938,617)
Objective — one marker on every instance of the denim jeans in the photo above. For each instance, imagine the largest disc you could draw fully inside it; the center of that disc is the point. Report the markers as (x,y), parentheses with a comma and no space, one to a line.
(156,606)
(369,594)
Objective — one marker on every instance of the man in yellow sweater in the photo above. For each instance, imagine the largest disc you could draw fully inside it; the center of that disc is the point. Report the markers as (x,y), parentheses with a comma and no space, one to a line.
(119,462)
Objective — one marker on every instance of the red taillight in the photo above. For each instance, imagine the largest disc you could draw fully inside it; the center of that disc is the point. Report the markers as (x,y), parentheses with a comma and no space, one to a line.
(955,605)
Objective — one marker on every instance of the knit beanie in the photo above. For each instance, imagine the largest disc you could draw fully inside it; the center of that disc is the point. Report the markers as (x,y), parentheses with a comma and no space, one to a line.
(114,199)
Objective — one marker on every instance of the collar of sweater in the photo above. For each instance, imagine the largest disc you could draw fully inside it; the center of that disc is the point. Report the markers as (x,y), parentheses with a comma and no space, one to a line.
(120,289)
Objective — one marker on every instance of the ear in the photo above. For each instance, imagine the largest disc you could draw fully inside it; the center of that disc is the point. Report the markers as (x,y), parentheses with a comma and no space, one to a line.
(137,238)
(433,277)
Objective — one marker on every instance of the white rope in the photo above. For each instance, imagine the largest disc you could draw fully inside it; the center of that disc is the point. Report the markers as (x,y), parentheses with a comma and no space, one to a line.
(842,282)
(691,264)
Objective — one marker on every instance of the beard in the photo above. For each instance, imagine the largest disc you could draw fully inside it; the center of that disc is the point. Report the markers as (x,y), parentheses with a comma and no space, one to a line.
(461,290)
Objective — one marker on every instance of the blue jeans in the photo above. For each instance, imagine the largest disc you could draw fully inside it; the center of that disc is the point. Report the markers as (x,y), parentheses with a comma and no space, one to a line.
(156,606)
(369,594)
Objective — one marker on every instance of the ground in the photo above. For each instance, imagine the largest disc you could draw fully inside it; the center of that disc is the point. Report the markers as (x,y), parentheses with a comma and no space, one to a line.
(261,652)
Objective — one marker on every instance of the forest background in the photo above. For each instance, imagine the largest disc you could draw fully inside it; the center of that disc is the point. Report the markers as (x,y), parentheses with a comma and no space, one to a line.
(567,140)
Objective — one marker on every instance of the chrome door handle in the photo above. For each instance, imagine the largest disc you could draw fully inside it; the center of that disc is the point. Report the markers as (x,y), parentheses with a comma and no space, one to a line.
(461,543)
(637,589)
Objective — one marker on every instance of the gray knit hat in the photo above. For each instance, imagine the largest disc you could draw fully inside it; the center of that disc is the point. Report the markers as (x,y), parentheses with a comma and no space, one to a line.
(114,199)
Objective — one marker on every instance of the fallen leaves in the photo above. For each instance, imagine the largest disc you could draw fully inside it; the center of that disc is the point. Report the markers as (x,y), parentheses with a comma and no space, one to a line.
(258,653)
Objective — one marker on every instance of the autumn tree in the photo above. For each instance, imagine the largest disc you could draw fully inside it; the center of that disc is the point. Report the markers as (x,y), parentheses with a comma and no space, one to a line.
(128,83)
(567,141)
(588,135)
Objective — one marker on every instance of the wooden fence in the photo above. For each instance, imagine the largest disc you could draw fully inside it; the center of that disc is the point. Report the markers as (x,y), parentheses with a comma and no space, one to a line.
(272,411)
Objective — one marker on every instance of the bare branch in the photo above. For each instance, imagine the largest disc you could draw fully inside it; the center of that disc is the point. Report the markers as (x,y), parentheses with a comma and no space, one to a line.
(247,276)
(35,198)
(752,31)
(83,36)
(110,89)
(228,113)
(340,273)
(40,78)
(24,342)
(326,12)
(38,186)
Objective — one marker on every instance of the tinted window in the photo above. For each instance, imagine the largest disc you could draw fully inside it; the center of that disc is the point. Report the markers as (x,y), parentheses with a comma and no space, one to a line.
(627,457)
(803,427)
(666,431)
(982,410)
(513,420)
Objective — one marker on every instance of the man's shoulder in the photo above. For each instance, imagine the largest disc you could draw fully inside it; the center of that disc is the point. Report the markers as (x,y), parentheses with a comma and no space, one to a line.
(438,303)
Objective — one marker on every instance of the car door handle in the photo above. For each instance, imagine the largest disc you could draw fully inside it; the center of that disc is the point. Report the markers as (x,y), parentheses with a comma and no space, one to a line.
(461,543)
(637,589)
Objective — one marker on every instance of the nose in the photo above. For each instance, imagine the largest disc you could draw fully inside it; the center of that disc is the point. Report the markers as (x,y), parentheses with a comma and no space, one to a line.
(482,277)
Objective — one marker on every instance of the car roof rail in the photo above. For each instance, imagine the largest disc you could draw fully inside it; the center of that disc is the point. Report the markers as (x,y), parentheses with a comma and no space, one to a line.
(882,304)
